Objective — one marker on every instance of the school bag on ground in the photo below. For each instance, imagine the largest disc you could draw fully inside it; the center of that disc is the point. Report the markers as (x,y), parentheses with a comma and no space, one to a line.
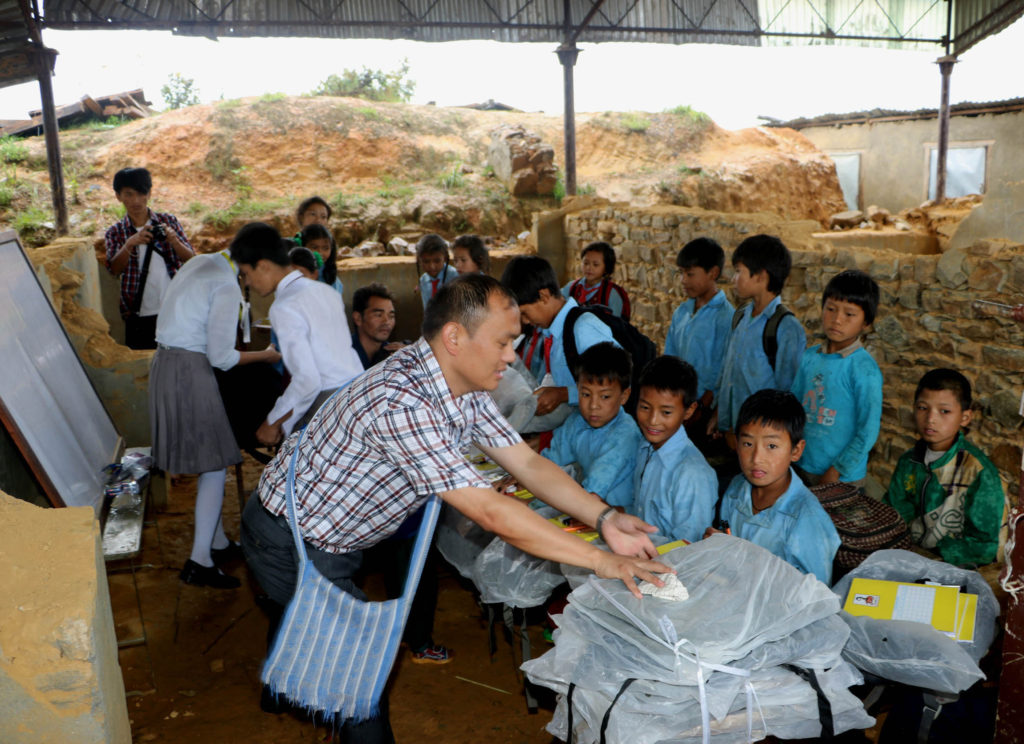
(640,348)
(864,525)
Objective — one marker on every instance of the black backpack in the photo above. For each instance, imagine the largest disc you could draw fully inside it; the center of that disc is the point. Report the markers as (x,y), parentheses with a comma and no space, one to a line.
(640,348)
(769,338)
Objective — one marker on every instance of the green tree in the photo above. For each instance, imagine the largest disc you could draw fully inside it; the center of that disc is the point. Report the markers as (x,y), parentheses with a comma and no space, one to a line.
(179,91)
(374,85)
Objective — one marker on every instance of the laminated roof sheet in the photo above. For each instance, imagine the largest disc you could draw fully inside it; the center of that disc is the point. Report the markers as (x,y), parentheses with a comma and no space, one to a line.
(898,23)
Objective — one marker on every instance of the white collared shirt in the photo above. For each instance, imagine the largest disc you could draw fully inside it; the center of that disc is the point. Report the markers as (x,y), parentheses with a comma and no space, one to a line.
(200,310)
(309,320)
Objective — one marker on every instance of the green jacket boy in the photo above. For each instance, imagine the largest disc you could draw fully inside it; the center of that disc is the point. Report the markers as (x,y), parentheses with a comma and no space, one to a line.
(954,505)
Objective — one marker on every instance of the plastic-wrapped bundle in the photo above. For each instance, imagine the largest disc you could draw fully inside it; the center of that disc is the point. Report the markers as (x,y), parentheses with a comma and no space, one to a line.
(756,598)
(747,609)
(460,540)
(914,653)
(505,574)
(517,403)
(781,704)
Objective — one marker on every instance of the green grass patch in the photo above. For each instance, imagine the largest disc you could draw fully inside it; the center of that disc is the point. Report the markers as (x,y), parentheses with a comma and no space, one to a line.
(370,113)
(245,208)
(392,189)
(453,179)
(272,97)
(690,113)
(636,123)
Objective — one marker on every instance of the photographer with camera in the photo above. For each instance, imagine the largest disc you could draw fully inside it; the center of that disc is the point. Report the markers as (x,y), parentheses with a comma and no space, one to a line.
(131,244)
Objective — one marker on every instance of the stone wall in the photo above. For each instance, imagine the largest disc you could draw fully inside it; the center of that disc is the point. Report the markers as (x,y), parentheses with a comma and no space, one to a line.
(925,319)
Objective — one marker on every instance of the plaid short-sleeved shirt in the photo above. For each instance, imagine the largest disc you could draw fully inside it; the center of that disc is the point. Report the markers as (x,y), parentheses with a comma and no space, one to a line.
(375,453)
(116,236)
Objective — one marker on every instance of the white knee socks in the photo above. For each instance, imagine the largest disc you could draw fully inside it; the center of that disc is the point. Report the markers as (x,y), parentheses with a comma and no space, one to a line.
(208,529)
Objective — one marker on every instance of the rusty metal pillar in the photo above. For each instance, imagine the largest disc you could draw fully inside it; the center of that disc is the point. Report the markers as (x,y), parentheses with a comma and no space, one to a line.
(44,66)
(567,54)
(945,69)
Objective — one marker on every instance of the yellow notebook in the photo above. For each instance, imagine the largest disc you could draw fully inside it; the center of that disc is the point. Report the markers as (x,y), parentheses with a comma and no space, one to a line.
(574,527)
(893,600)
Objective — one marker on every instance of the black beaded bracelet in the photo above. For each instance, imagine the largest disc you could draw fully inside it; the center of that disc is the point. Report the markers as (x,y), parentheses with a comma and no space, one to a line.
(601,519)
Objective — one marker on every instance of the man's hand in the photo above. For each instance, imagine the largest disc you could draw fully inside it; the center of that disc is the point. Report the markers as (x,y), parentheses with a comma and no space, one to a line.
(141,237)
(712,430)
(393,346)
(628,535)
(829,476)
(505,484)
(712,531)
(549,398)
(612,566)
(270,434)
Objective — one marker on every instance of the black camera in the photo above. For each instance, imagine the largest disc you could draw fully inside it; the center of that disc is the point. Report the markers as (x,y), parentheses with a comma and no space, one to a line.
(159,231)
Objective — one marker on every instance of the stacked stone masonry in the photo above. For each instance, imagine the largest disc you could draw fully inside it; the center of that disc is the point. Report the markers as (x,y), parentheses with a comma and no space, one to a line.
(925,318)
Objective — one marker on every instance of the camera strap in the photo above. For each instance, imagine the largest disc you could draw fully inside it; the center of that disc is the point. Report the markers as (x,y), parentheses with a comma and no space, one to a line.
(137,300)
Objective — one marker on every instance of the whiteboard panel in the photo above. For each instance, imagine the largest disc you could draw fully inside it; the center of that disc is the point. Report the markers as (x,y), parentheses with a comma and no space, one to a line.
(48,402)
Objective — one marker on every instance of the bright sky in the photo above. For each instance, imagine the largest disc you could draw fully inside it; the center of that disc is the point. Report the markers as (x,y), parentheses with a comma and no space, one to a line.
(733,84)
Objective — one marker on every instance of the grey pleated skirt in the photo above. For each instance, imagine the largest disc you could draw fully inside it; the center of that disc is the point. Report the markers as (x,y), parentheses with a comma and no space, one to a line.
(191,432)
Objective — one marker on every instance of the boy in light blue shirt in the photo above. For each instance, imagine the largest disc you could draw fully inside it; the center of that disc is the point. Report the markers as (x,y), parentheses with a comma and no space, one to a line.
(840,385)
(601,437)
(541,304)
(432,260)
(762,264)
(701,326)
(768,504)
(673,486)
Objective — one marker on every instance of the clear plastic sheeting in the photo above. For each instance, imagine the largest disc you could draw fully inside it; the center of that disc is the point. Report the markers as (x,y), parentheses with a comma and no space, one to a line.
(914,653)
(504,574)
(460,539)
(517,403)
(707,668)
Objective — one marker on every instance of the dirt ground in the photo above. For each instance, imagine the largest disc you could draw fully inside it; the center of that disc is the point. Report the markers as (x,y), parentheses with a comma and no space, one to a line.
(196,679)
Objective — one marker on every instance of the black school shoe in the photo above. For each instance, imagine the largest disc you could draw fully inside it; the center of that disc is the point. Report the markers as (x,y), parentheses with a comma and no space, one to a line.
(197,575)
(233,552)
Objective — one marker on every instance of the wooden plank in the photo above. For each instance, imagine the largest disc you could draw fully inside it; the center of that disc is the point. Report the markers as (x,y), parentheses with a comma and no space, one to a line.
(92,105)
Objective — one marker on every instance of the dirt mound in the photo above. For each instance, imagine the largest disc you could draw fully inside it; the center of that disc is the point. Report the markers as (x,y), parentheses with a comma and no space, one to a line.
(397,168)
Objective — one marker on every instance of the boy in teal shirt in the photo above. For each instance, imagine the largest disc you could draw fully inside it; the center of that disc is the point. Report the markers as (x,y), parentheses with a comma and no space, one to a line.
(945,488)
(840,385)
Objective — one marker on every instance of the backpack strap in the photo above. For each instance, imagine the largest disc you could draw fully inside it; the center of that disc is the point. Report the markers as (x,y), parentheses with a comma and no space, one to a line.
(573,289)
(572,354)
(828,729)
(770,337)
(608,713)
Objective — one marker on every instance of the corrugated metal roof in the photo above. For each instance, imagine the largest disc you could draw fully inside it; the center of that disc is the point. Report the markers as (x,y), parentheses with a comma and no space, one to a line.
(898,23)
(663,21)
(967,108)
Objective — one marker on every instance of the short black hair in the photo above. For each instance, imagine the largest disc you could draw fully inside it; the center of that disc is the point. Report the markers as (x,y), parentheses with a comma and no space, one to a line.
(607,254)
(704,253)
(138,179)
(474,245)
(307,203)
(670,374)
(526,276)
(605,362)
(855,287)
(302,257)
(765,253)
(778,408)
(361,297)
(464,301)
(317,231)
(944,378)
(258,240)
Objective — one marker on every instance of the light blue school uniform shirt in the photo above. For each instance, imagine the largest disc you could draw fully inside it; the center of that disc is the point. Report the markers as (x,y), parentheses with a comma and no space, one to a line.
(587,331)
(674,488)
(796,528)
(746,369)
(614,301)
(842,396)
(607,455)
(427,282)
(699,337)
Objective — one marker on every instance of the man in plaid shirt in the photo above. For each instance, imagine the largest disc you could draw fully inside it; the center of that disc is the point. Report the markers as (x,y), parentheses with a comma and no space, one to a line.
(373,454)
(144,242)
